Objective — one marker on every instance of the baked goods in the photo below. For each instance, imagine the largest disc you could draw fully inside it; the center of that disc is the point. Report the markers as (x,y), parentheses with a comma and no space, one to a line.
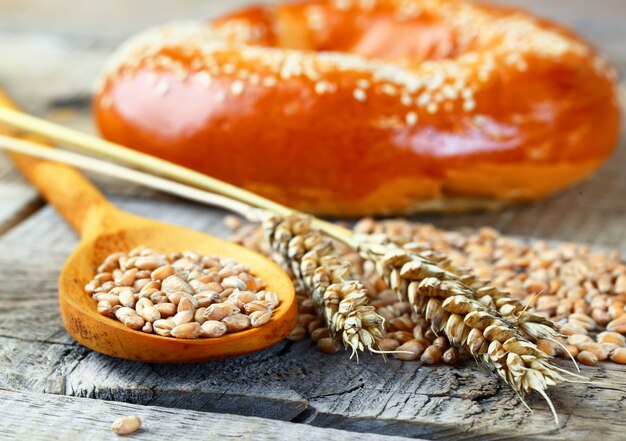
(347,107)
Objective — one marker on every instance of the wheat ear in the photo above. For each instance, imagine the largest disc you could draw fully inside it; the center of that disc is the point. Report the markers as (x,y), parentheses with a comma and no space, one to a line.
(341,300)
(515,312)
(457,309)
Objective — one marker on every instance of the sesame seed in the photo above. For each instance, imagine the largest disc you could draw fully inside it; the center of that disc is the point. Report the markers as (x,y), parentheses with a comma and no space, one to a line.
(363,84)
(389,89)
(359,95)
(432,108)
(204,79)
(236,88)
(449,92)
(342,5)
(269,81)
(406,100)
(228,68)
(321,87)
(162,88)
(411,119)
(423,100)
(220,96)
(254,79)
(469,105)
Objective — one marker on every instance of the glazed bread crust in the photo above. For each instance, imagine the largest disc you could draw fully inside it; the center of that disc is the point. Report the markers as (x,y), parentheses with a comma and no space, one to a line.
(353,108)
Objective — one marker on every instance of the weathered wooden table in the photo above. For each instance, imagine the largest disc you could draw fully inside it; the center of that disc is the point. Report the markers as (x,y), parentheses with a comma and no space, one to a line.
(52,388)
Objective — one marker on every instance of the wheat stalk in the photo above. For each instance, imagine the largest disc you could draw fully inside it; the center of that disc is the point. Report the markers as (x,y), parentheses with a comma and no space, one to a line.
(455,306)
(456,303)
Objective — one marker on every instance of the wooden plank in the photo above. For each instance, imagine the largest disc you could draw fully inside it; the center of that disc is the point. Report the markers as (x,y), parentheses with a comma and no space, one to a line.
(289,381)
(17,199)
(27,416)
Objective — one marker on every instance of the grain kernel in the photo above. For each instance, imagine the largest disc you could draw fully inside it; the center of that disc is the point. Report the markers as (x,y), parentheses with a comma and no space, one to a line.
(127,297)
(573,350)
(587,358)
(127,278)
(451,356)
(312,326)
(431,355)
(595,348)
(213,328)
(571,328)
(150,314)
(187,330)
(388,344)
(441,342)
(199,315)
(298,333)
(259,318)
(611,337)
(236,322)
(183,317)
(166,309)
(411,350)
(618,325)
(205,298)
(320,333)
(401,336)
(619,356)
(185,305)
(547,346)
(105,308)
(234,282)
(174,284)
(579,339)
(219,311)
(130,318)
(148,263)
(163,272)
(327,345)
(126,425)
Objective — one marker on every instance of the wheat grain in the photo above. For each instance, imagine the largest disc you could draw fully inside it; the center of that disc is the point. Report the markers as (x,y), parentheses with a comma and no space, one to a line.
(173,295)
(126,425)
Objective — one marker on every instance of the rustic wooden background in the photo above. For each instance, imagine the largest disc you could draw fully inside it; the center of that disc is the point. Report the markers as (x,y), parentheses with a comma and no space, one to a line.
(50,53)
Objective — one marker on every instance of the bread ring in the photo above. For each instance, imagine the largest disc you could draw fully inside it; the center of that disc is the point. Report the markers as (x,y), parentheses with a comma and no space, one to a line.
(346,107)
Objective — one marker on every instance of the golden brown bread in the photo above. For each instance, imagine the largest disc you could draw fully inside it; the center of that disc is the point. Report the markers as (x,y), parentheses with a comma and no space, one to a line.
(349,108)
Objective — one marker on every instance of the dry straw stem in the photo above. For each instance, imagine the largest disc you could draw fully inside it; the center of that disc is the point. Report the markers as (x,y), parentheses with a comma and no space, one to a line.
(467,316)
(340,299)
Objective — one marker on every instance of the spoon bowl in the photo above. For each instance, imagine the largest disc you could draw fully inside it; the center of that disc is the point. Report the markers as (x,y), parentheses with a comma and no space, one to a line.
(109,336)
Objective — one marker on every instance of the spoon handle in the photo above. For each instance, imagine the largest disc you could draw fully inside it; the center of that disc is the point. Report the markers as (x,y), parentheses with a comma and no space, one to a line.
(79,202)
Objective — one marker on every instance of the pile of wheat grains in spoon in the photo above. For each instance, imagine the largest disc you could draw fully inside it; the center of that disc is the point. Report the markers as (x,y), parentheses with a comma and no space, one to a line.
(182,295)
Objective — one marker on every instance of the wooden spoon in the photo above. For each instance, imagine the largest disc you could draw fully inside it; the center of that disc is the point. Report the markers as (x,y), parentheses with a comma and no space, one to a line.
(104,229)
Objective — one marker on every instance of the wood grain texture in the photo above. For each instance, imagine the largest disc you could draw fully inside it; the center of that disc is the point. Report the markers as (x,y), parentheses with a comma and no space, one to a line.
(49,61)
(28,416)
(288,381)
